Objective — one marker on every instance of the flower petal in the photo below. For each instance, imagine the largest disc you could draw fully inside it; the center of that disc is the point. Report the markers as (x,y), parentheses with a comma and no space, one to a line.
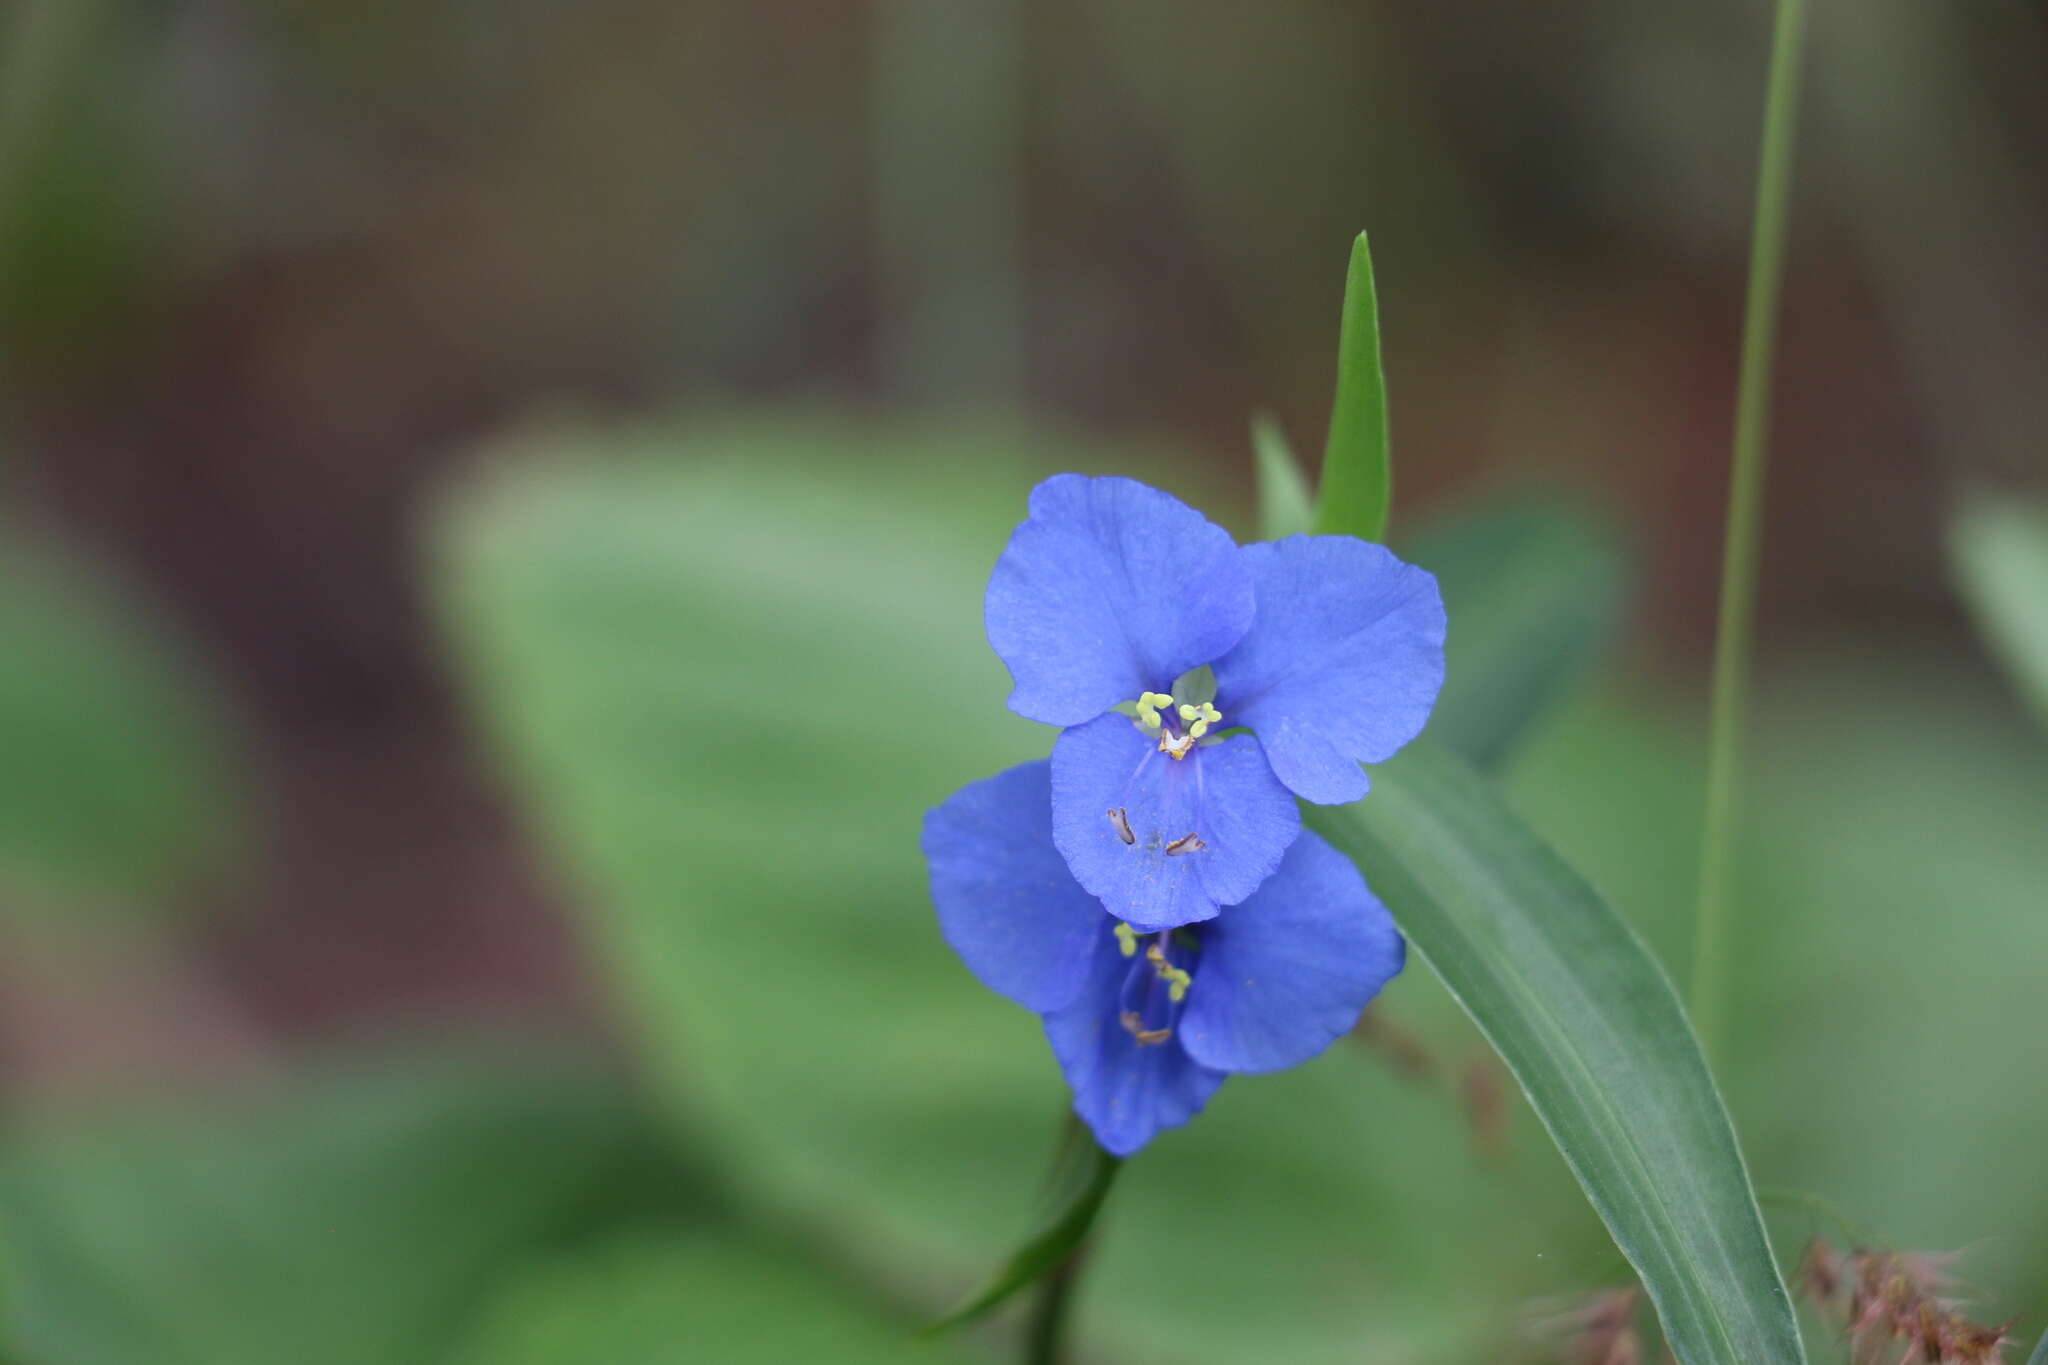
(1125,1093)
(1287,973)
(1110,589)
(1342,664)
(1006,901)
(1223,794)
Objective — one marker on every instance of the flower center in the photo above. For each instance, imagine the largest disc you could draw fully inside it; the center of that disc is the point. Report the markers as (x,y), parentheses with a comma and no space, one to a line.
(1156,987)
(1176,727)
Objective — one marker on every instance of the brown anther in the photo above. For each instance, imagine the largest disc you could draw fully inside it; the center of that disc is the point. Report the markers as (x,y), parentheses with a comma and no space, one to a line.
(1187,843)
(1147,1037)
(1122,822)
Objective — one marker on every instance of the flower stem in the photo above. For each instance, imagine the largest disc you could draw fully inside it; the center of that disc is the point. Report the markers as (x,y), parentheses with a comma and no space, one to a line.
(1045,1339)
(1745,512)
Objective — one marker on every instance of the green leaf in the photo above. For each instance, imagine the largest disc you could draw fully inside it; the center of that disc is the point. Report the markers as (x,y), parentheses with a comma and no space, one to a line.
(1357,484)
(2000,550)
(1081,1182)
(113,788)
(668,1298)
(1580,1011)
(347,1218)
(1285,506)
(1534,593)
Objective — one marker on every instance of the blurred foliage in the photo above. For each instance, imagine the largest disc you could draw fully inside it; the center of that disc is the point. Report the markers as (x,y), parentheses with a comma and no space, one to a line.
(1888,937)
(349,1217)
(1534,591)
(679,1299)
(2000,549)
(115,789)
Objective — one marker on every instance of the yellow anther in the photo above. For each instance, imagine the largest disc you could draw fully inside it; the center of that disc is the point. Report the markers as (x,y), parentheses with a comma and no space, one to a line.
(1177,980)
(1127,939)
(1148,708)
(1199,718)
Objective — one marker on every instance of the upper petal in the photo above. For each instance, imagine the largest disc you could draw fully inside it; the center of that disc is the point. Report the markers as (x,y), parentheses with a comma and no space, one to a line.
(1006,901)
(1341,665)
(1287,973)
(1224,795)
(1109,589)
(1124,1092)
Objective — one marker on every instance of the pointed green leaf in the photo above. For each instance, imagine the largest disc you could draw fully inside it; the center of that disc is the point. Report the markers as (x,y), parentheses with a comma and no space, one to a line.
(1580,1011)
(1357,469)
(1080,1183)
(1285,506)
(2000,548)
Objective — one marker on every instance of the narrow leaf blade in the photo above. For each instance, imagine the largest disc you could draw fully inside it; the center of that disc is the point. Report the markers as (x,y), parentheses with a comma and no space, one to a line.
(2040,1355)
(1357,481)
(1580,1011)
(1080,1186)
(1285,506)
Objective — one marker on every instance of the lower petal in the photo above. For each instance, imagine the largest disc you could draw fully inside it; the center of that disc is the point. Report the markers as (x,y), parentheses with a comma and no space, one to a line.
(1006,902)
(1288,972)
(1124,1091)
(1164,841)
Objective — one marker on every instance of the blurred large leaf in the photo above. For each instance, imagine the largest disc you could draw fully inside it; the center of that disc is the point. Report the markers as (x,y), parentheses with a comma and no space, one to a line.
(1534,593)
(113,785)
(686,1300)
(345,1221)
(2000,548)
(731,668)
(1580,1011)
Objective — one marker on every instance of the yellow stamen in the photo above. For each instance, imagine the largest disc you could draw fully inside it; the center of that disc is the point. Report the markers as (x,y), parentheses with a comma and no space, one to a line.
(1177,980)
(1127,939)
(1200,718)
(1149,704)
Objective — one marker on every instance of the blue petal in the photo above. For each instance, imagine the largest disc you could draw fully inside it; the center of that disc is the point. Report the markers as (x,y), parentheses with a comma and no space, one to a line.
(1224,794)
(1006,901)
(1342,664)
(1287,973)
(1110,589)
(1125,1093)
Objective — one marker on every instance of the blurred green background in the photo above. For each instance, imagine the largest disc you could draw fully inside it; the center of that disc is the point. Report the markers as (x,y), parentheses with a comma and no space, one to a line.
(494,504)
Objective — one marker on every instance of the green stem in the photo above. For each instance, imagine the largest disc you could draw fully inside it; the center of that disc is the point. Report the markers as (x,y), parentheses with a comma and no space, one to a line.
(1745,513)
(1045,1340)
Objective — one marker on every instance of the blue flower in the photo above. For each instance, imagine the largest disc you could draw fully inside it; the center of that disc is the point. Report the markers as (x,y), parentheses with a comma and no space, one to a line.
(1173,791)
(1147,1025)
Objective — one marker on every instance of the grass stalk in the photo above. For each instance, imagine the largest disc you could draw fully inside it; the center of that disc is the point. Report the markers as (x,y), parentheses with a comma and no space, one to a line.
(1711,925)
